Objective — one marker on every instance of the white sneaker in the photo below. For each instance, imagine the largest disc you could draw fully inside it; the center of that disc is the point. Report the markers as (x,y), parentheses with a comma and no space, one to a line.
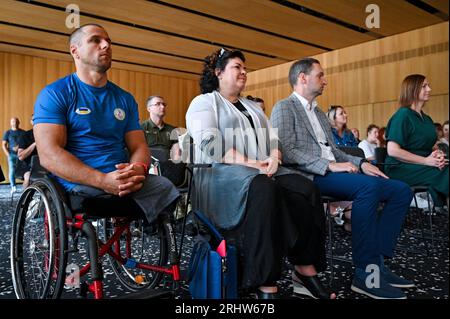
(13,189)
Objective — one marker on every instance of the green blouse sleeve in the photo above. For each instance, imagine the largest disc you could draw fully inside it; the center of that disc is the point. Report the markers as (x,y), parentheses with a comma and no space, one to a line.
(399,128)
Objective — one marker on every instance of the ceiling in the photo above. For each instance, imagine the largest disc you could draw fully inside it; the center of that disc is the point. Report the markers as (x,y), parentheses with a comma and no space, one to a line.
(173,36)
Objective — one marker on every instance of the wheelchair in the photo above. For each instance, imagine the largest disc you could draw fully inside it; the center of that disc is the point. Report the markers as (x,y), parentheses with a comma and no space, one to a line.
(46,231)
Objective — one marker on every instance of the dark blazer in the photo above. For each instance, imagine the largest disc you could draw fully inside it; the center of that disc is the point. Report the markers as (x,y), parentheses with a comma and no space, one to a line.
(299,142)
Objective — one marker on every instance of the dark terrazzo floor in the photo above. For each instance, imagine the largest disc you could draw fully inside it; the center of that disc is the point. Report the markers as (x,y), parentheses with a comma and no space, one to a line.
(430,273)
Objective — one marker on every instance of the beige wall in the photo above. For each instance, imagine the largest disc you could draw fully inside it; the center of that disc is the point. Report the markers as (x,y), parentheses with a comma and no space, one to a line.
(22,77)
(366,78)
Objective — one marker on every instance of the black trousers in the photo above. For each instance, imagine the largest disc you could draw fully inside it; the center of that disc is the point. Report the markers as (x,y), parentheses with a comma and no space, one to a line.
(284,218)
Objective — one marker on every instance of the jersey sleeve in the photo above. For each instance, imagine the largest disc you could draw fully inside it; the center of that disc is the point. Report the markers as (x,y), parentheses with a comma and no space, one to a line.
(133,119)
(50,107)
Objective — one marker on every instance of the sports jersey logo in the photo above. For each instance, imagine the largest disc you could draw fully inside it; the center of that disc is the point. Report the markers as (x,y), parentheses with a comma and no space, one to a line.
(83,110)
(119,114)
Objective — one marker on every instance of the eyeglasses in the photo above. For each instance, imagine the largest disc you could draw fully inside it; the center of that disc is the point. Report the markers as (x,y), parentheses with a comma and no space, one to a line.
(159,104)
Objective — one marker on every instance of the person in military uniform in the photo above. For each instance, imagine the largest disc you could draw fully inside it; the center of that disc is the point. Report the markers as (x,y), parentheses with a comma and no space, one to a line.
(160,136)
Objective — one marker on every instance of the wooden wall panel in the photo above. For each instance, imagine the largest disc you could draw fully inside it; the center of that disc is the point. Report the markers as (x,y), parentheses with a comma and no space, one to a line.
(22,77)
(366,78)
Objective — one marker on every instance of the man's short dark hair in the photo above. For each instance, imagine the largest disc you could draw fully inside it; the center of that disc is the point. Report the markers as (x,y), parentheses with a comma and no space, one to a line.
(77,34)
(301,66)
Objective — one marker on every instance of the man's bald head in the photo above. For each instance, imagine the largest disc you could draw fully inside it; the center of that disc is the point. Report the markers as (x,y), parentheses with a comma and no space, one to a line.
(77,35)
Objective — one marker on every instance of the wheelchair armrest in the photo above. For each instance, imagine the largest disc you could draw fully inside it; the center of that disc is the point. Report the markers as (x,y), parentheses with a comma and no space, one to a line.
(36,170)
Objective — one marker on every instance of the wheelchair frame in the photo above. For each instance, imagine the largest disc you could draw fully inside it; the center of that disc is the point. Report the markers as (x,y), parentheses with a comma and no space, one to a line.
(48,277)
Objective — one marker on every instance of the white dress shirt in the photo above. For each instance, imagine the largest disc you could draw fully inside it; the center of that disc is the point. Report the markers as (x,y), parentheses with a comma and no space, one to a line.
(318,130)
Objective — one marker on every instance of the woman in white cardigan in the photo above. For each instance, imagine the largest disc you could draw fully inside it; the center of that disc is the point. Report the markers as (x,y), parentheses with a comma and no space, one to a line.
(268,211)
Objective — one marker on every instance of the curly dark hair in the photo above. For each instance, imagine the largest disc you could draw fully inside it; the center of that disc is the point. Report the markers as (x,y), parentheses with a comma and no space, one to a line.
(218,60)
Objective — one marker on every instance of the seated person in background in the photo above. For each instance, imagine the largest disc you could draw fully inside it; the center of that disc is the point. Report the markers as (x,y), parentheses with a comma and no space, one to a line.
(307,141)
(439,131)
(445,133)
(338,120)
(411,136)
(269,211)
(26,150)
(158,134)
(162,138)
(382,136)
(259,101)
(82,124)
(370,143)
(355,133)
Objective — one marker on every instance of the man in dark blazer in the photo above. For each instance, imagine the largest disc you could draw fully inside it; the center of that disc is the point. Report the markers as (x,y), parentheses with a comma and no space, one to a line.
(306,140)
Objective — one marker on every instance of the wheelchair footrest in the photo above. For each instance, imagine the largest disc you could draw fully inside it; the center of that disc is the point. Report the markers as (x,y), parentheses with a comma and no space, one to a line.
(148,294)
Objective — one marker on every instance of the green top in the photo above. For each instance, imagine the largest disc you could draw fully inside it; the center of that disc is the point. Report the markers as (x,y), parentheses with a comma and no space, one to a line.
(156,136)
(416,134)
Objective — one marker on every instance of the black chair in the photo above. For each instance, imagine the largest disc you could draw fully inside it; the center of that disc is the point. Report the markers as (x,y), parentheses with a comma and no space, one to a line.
(175,172)
(354,151)
(380,156)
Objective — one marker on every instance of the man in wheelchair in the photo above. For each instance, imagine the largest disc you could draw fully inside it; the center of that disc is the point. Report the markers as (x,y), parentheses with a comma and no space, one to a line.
(84,124)
(88,137)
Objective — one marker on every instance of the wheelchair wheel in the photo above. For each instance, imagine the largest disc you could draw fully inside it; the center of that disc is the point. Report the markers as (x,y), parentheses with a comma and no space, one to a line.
(148,245)
(38,243)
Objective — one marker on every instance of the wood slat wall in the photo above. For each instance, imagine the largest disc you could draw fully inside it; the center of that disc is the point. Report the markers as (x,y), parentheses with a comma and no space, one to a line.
(22,77)
(270,16)
(395,16)
(366,78)
(30,15)
(165,18)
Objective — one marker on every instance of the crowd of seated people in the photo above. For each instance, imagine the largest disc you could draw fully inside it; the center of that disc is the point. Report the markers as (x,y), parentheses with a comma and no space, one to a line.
(263,190)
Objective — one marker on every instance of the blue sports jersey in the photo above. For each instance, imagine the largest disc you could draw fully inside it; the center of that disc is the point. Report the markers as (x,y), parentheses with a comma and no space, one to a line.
(96,120)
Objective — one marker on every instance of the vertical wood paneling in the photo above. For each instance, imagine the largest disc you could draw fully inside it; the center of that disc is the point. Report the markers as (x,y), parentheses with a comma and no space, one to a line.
(22,77)
(366,78)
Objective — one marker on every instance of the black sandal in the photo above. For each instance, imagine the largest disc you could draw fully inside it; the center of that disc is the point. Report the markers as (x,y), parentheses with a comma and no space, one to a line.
(309,286)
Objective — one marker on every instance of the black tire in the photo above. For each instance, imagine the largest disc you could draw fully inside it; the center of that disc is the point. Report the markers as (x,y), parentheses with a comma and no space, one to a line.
(39,243)
(148,244)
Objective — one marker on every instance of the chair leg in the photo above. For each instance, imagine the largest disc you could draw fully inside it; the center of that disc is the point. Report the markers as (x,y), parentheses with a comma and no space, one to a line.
(330,241)
(421,224)
(430,217)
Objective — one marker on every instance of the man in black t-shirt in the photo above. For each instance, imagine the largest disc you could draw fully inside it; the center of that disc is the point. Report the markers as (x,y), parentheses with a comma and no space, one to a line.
(9,146)
(26,150)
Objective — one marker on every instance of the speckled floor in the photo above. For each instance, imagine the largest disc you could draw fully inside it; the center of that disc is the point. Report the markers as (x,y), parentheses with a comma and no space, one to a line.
(430,273)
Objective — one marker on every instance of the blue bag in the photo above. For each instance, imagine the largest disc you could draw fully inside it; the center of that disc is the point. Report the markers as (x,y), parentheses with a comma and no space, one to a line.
(212,267)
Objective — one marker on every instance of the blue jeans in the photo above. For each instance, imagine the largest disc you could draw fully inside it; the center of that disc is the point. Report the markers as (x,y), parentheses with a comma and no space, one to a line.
(373,233)
(12,162)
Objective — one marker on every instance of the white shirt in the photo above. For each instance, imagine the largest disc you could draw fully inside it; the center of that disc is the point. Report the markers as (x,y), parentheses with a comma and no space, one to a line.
(318,130)
(368,148)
